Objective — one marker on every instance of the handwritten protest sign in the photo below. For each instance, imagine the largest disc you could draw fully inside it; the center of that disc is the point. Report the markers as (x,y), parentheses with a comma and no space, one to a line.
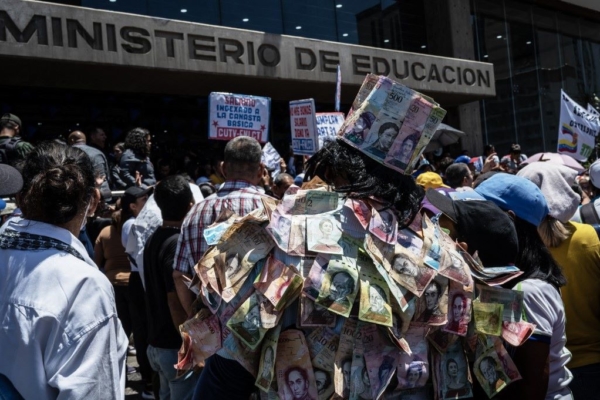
(232,115)
(303,124)
(577,129)
(270,157)
(328,125)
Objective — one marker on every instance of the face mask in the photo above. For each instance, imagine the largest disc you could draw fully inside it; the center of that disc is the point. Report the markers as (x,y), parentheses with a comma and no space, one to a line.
(84,222)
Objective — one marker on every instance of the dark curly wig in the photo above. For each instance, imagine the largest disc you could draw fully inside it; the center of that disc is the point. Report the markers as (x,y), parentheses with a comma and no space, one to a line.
(367,178)
(136,141)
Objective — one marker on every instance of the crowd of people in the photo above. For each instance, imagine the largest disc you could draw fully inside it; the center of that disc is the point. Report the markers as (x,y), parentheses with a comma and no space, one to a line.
(84,270)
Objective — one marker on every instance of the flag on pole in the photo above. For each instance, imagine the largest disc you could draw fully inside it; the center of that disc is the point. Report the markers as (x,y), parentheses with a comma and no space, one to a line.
(338,88)
(577,130)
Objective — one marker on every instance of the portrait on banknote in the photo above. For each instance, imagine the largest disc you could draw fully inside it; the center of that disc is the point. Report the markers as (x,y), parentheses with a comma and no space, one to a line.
(490,373)
(312,314)
(339,288)
(324,383)
(253,319)
(374,297)
(359,130)
(323,235)
(384,226)
(408,272)
(453,373)
(387,130)
(459,310)
(413,369)
(314,279)
(343,358)
(296,379)
(267,363)
(280,230)
(488,317)
(453,266)
(295,375)
(248,326)
(402,150)
(433,303)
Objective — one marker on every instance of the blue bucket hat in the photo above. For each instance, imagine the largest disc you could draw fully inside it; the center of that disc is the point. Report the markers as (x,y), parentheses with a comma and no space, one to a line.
(518,194)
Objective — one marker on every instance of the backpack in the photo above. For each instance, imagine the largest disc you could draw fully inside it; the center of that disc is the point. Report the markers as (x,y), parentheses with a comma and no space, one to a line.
(589,215)
(8,149)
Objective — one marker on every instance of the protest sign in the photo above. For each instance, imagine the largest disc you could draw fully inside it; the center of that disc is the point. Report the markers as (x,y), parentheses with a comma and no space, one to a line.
(592,110)
(328,125)
(232,115)
(577,129)
(303,124)
(270,158)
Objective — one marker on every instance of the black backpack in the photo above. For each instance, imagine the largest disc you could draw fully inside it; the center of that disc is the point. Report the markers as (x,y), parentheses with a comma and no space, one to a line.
(8,150)
(589,215)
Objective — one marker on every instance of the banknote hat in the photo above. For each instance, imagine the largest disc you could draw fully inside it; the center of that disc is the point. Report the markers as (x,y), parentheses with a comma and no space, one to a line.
(481,224)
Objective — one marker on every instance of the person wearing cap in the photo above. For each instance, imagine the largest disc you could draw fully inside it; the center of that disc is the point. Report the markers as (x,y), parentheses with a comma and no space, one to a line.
(459,175)
(589,212)
(430,180)
(540,283)
(576,248)
(513,161)
(132,203)
(13,149)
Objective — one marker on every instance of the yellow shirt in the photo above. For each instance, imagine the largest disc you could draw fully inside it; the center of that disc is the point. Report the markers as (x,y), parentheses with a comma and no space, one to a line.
(216,179)
(579,257)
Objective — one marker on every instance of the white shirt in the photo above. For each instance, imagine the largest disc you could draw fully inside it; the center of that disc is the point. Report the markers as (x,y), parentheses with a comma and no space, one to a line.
(142,227)
(125,235)
(545,309)
(60,337)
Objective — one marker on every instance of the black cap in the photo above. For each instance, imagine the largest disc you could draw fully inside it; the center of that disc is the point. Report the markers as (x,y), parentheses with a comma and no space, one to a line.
(11,180)
(515,148)
(136,192)
(483,226)
(132,194)
(11,118)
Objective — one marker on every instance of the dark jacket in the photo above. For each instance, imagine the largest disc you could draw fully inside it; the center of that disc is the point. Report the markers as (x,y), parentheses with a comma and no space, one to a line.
(100,167)
(130,163)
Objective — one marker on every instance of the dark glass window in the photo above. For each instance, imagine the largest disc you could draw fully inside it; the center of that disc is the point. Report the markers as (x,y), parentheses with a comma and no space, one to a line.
(257,15)
(310,18)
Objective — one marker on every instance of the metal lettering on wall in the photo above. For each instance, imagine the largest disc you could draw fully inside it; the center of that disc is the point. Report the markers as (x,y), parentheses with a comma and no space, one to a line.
(43,30)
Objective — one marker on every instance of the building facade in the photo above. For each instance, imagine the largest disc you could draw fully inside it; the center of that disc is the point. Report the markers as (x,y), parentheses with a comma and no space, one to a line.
(496,66)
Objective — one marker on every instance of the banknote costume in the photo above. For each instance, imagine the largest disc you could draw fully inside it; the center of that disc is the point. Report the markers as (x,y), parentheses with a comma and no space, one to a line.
(386,290)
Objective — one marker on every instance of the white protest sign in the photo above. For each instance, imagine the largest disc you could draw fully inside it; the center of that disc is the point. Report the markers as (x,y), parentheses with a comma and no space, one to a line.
(577,129)
(232,115)
(592,110)
(270,157)
(303,124)
(328,125)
